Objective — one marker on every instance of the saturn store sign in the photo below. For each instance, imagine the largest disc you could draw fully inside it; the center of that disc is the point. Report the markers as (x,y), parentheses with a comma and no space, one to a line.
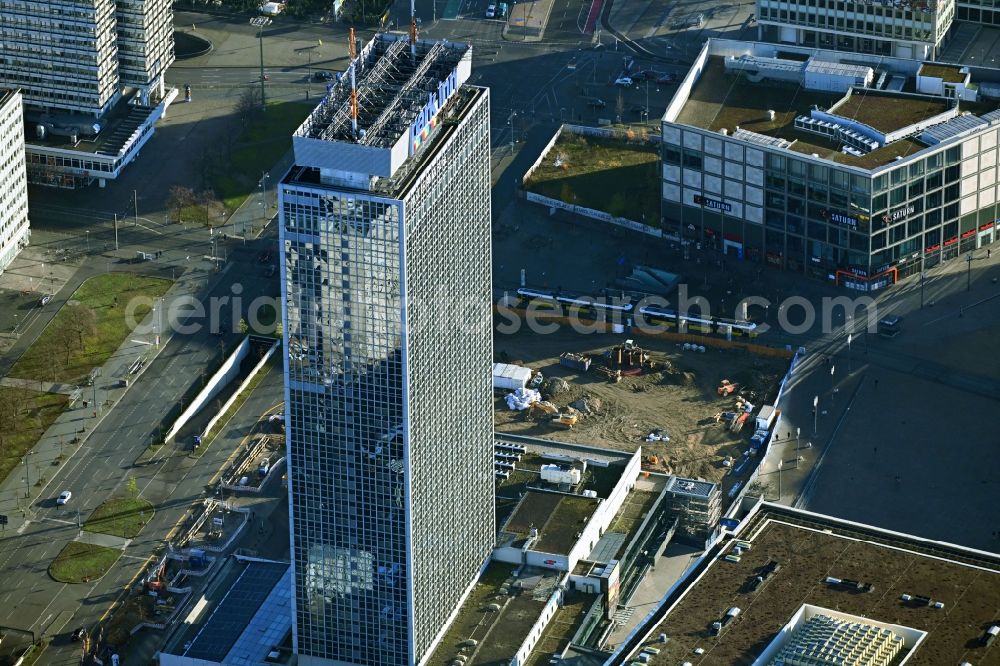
(427,118)
(714,204)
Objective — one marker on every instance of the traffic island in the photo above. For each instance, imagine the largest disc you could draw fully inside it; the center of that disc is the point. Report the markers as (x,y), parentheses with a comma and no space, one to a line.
(80,562)
(120,516)
(187,45)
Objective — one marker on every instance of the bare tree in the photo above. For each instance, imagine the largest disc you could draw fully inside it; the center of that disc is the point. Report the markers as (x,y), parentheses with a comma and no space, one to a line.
(180,197)
(206,164)
(209,205)
(82,323)
(13,402)
(247,106)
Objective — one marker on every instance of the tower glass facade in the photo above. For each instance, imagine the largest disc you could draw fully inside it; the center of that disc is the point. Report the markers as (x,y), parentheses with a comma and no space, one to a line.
(389,355)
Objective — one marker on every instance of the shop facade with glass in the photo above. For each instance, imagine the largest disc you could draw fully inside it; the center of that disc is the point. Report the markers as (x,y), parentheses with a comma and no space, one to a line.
(863,228)
(906,29)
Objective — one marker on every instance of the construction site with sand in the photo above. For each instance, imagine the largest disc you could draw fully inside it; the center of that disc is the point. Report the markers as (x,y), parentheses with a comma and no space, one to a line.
(688,408)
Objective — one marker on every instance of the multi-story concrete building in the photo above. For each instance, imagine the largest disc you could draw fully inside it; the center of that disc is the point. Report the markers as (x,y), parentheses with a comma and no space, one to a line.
(14,231)
(385,230)
(986,12)
(145,45)
(860,171)
(898,28)
(92,76)
(62,54)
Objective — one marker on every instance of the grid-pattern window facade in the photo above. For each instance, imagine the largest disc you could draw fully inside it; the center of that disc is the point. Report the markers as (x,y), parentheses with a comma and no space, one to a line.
(61,54)
(145,42)
(389,349)
(865,27)
(14,231)
(819,217)
(449,353)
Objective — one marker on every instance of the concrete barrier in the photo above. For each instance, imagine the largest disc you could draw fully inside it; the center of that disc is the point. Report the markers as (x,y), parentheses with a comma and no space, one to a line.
(229,403)
(225,374)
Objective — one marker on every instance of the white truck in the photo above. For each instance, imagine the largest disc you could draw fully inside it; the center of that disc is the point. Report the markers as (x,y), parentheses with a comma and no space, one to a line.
(560,475)
(766,417)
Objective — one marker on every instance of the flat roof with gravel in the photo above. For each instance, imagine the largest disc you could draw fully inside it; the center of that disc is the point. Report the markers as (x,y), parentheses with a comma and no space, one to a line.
(877,569)
(720,100)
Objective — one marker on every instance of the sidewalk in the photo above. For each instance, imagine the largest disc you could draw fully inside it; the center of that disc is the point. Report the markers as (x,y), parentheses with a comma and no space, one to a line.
(69,432)
(34,385)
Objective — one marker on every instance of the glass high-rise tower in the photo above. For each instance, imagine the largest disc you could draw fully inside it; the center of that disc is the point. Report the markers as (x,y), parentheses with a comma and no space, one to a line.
(385,230)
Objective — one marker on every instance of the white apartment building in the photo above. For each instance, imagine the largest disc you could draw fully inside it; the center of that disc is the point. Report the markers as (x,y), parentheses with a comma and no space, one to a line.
(895,28)
(91,73)
(145,45)
(14,231)
(62,55)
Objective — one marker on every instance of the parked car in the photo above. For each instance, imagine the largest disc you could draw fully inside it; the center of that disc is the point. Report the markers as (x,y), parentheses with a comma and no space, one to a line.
(64,497)
(491,11)
(667,78)
(596,102)
(322,76)
(625,81)
(648,75)
(45,300)
(502,10)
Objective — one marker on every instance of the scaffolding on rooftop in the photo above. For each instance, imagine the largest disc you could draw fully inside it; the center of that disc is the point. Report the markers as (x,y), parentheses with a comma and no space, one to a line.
(392,87)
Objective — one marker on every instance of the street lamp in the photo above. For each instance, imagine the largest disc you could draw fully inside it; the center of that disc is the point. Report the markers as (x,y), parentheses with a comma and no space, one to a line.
(815,414)
(779,480)
(968,284)
(260,22)
(27,473)
(264,177)
(849,337)
(510,122)
(88,241)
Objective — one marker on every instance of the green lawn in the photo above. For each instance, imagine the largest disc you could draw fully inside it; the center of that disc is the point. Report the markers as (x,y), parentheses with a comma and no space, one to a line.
(82,562)
(61,354)
(616,177)
(25,416)
(260,146)
(120,516)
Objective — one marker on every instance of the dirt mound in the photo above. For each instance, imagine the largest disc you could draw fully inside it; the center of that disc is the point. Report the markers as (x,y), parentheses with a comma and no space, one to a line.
(555,386)
(588,404)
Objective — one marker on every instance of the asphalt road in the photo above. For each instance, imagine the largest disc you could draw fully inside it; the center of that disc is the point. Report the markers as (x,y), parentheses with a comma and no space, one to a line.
(30,599)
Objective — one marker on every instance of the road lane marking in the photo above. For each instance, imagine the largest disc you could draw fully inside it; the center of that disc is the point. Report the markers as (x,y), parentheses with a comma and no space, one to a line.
(58,520)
